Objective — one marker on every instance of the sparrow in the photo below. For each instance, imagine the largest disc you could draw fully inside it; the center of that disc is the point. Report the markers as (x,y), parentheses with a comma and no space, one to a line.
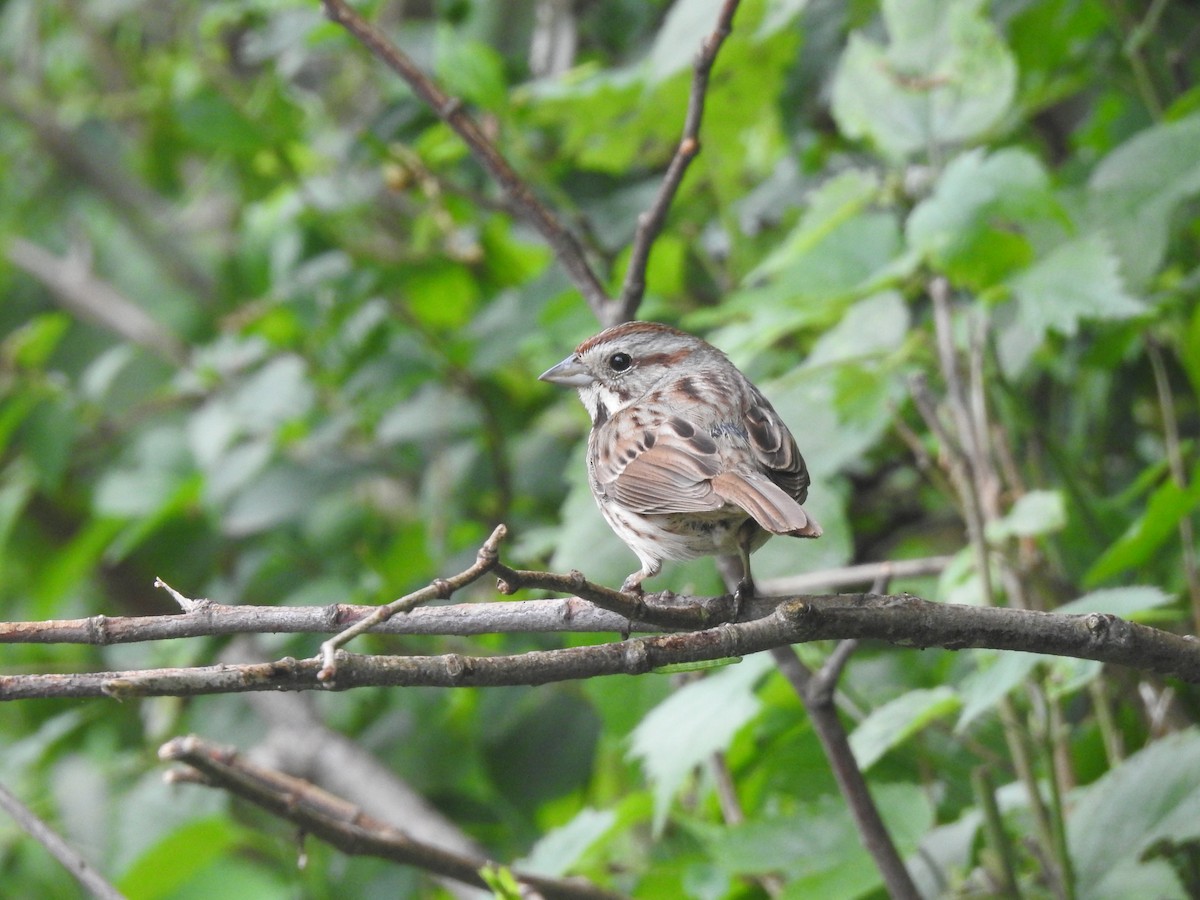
(686,457)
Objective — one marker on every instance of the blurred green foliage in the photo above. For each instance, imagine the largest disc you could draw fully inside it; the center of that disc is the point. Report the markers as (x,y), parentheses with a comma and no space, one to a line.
(357,408)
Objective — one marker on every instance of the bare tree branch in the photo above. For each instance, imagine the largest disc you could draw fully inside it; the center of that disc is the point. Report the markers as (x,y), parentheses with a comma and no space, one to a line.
(451,111)
(88,297)
(297,742)
(343,824)
(209,618)
(1171,441)
(897,619)
(817,691)
(205,618)
(650,222)
(70,859)
(849,576)
(969,456)
(144,211)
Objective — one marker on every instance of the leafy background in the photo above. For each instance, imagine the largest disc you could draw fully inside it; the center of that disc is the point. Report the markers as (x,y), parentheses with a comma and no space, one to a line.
(307,374)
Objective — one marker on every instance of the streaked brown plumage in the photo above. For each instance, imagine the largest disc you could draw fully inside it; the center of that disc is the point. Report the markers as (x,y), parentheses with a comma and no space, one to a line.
(686,457)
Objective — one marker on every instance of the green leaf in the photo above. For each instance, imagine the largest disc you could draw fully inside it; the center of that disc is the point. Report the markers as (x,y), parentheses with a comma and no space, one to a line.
(559,851)
(895,722)
(185,497)
(209,120)
(990,683)
(836,202)
(945,77)
(16,489)
(434,413)
(31,344)
(871,327)
(1079,280)
(277,393)
(1034,513)
(817,848)
(1119,601)
(687,24)
(1144,537)
(470,70)
(281,494)
(175,860)
(1135,189)
(49,432)
(1189,352)
(501,880)
(892,724)
(974,225)
(693,723)
(1154,794)
(851,260)
(158,464)
(442,294)
(74,562)
(780,14)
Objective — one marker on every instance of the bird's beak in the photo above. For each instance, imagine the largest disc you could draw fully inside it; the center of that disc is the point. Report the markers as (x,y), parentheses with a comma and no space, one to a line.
(569,373)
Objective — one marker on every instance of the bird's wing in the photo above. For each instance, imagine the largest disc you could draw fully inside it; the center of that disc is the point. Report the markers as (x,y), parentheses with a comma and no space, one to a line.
(767,502)
(666,469)
(774,447)
(677,468)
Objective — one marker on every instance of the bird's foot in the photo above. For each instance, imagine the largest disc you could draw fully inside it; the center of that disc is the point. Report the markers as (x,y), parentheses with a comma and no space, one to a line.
(633,584)
(742,595)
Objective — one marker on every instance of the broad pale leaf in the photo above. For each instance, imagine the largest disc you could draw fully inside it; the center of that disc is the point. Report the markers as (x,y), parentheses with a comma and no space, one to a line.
(945,77)
(693,723)
(1079,280)
(1134,190)
(1034,513)
(1154,794)
(893,723)
(557,852)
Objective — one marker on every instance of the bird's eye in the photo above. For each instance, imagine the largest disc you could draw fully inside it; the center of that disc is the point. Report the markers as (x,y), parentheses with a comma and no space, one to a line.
(619,362)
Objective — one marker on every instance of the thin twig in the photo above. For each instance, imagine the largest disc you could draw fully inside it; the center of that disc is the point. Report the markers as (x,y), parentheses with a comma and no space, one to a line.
(145,212)
(848,576)
(452,111)
(1044,737)
(973,474)
(816,693)
(1114,740)
(440,589)
(1166,403)
(650,222)
(70,859)
(1132,48)
(87,296)
(1003,862)
(733,815)
(960,475)
(341,823)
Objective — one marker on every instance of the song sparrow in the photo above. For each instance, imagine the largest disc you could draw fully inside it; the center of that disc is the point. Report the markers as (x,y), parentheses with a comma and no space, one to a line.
(686,457)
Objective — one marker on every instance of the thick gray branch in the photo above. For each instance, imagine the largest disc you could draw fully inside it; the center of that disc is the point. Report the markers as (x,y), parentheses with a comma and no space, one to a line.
(343,824)
(898,619)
